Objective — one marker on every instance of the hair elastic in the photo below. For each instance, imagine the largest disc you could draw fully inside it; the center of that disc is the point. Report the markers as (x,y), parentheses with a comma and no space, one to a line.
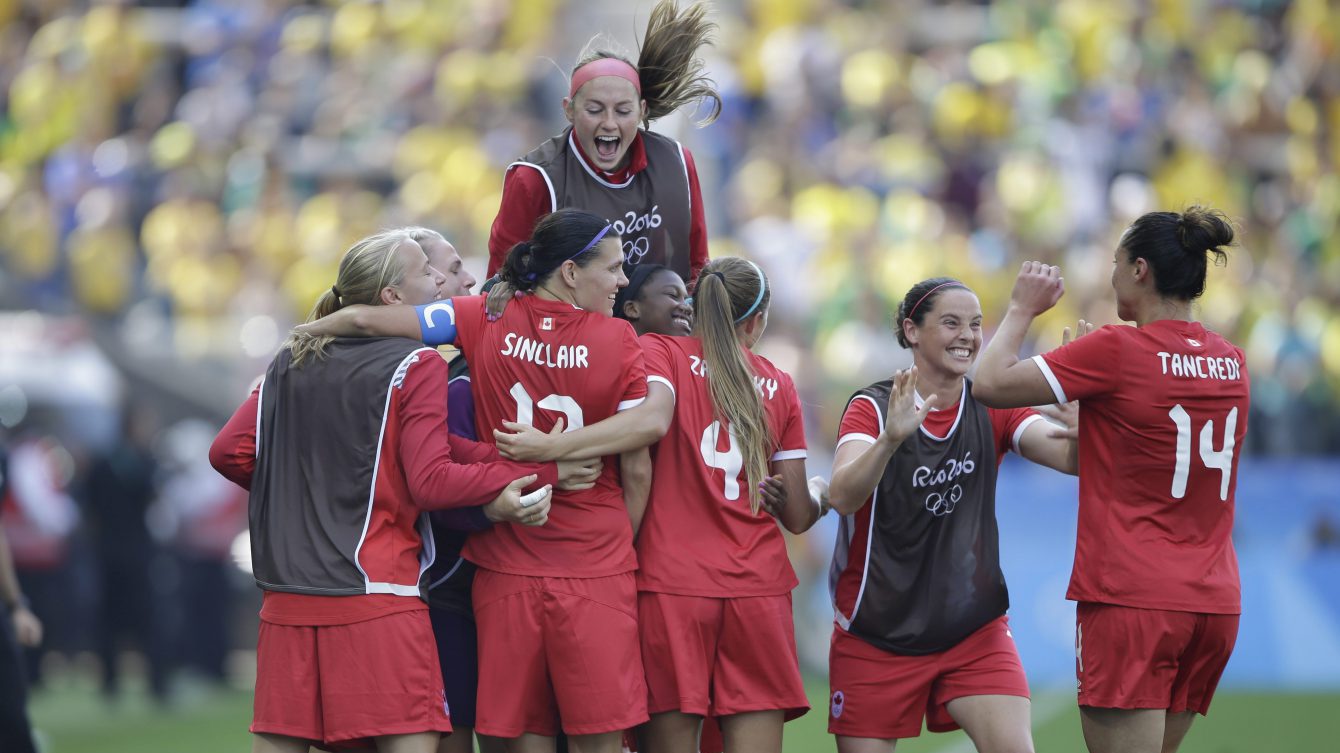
(605,67)
(762,288)
(951,283)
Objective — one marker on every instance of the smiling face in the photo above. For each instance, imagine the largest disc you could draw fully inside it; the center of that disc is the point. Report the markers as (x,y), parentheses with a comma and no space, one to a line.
(949,337)
(604,114)
(443,257)
(662,306)
(595,285)
(419,283)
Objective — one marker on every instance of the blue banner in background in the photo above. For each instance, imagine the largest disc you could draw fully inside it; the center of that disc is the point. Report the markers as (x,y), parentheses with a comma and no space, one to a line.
(1287,535)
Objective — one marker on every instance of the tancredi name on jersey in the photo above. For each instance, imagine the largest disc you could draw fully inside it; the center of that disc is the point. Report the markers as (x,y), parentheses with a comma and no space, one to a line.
(545,354)
(766,387)
(1202,367)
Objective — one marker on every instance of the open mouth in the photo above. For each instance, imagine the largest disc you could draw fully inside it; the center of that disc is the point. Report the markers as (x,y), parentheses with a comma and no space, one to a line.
(607,147)
(682,323)
(961,353)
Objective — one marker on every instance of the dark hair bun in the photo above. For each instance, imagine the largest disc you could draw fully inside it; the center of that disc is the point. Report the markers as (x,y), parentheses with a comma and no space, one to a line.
(1203,231)
(518,265)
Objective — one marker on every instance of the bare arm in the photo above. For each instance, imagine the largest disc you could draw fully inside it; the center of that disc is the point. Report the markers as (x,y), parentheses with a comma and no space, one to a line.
(1046,444)
(858,466)
(627,430)
(799,511)
(1003,381)
(396,320)
(635,475)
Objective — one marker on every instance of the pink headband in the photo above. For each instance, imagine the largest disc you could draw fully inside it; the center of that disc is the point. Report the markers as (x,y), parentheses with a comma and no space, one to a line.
(605,67)
(951,283)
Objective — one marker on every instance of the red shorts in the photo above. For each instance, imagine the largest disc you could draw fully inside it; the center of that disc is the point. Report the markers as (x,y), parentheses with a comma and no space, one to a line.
(880,694)
(720,657)
(346,684)
(1130,658)
(554,649)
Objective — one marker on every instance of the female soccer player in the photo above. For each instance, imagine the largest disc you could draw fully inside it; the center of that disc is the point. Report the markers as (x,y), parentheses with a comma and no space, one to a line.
(556,612)
(336,504)
(645,183)
(655,301)
(714,581)
(1164,408)
(918,592)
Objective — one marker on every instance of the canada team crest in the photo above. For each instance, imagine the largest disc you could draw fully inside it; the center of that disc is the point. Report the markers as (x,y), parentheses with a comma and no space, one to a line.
(838,703)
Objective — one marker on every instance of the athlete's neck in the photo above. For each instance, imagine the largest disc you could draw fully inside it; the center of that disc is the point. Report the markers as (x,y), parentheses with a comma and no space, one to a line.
(947,388)
(563,296)
(1163,309)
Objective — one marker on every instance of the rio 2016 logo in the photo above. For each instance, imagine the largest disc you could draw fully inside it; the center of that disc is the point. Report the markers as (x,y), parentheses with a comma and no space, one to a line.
(635,249)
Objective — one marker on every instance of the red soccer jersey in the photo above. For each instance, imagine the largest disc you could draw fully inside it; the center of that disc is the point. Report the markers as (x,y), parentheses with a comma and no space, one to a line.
(542,360)
(698,537)
(1163,412)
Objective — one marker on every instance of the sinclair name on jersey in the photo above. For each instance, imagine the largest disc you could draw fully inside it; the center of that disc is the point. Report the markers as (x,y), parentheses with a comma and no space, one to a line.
(544,354)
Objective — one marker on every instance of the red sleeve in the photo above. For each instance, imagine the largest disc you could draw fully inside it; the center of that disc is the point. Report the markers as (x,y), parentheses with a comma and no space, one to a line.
(469,316)
(233,453)
(1084,367)
(1008,425)
(525,199)
(791,437)
(658,358)
(435,481)
(860,421)
(697,221)
(634,388)
(465,450)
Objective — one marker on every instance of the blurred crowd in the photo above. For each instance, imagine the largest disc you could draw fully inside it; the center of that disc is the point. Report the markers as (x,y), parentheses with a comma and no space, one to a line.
(197,168)
(189,174)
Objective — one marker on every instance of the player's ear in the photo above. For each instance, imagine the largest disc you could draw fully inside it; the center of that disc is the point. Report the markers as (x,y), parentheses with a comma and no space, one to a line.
(910,332)
(390,295)
(631,312)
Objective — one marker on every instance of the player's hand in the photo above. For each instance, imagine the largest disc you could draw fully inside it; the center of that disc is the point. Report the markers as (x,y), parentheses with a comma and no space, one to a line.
(904,415)
(574,475)
(1064,418)
(510,505)
(27,628)
(526,443)
(1081,329)
(772,495)
(498,297)
(818,486)
(1037,288)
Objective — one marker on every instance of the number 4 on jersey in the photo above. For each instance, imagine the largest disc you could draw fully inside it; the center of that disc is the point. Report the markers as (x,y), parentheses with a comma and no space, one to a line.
(1220,460)
(730,462)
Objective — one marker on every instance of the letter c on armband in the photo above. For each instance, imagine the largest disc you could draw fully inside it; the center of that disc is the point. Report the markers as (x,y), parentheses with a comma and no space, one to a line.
(433,328)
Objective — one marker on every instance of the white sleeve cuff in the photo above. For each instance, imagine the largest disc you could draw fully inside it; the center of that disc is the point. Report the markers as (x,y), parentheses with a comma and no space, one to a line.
(845,438)
(789,455)
(1051,379)
(1019,431)
(626,404)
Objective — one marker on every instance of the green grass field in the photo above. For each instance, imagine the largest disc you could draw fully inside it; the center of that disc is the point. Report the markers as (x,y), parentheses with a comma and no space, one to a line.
(72,718)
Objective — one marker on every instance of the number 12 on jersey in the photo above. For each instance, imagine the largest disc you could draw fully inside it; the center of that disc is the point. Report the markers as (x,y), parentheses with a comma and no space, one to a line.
(1220,460)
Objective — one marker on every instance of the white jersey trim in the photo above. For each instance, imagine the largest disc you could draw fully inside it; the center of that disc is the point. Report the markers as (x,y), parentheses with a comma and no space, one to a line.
(260,401)
(1051,379)
(844,621)
(855,437)
(1019,432)
(397,379)
(790,455)
(684,163)
(662,380)
(594,175)
(553,197)
(626,404)
(957,418)
(396,589)
(450,573)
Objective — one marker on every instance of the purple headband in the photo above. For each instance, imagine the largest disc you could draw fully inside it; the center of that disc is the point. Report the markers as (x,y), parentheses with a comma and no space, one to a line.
(590,245)
(917,305)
